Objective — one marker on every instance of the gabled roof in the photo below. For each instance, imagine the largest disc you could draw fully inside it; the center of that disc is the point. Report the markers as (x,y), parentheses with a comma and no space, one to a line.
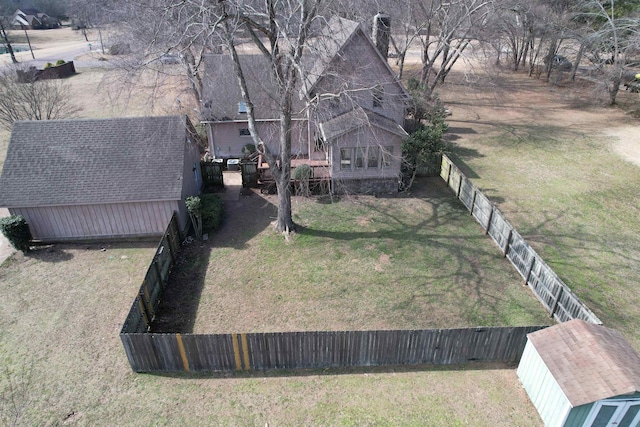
(589,362)
(221,92)
(357,118)
(91,161)
(325,49)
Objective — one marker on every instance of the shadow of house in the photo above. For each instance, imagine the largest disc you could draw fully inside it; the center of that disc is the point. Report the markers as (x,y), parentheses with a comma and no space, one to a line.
(100,178)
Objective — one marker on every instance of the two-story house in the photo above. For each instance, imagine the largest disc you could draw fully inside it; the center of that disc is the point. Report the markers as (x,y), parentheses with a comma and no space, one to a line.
(351,109)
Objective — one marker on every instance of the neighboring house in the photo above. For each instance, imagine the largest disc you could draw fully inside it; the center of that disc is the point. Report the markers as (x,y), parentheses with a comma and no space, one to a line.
(101,178)
(33,19)
(578,374)
(351,109)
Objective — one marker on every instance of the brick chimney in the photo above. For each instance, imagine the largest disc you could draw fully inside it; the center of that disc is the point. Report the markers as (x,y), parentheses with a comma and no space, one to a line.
(381,32)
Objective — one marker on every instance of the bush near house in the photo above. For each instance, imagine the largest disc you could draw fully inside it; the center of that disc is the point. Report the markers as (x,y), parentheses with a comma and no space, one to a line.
(16,230)
(211,211)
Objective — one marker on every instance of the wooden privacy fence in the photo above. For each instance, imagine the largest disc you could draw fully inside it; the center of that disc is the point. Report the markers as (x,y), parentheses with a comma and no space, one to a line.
(157,352)
(553,293)
(146,303)
(296,350)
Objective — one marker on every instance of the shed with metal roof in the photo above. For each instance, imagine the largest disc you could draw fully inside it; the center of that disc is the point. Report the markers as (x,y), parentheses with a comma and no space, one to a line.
(580,374)
(100,178)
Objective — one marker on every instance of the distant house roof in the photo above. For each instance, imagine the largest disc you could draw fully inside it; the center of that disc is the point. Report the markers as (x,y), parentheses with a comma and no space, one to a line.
(27,16)
(356,118)
(90,161)
(589,362)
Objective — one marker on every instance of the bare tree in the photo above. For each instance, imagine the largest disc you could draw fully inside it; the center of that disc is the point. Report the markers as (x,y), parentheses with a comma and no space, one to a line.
(610,41)
(33,100)
(279,30)
(4,37)
(448,29)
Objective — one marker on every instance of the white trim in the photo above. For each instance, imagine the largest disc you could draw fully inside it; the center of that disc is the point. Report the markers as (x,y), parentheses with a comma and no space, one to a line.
(623,406)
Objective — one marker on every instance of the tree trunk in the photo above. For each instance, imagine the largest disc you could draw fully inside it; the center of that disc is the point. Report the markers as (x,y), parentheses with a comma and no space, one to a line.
(578,59)
(5,37)
(285,219)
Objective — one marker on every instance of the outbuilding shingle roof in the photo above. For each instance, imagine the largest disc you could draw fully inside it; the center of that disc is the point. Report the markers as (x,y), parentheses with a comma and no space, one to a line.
(589,362)
(89,161)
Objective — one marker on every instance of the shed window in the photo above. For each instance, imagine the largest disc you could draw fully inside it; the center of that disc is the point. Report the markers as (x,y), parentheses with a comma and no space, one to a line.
(244,132)
(242,107)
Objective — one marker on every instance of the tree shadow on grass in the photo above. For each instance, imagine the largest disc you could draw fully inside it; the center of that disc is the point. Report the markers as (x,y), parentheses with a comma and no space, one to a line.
(180,300)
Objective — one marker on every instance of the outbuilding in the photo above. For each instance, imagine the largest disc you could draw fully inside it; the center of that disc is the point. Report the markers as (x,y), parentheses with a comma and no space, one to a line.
(579,374)
(101,178)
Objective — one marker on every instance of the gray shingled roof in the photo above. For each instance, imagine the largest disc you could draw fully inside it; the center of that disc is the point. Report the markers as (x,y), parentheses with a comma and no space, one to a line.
(589,362)
(88,161)
(356,118)
(323,48)
(221,91)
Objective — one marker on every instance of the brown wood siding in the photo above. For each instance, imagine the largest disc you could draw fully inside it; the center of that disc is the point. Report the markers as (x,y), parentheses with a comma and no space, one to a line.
(98,221)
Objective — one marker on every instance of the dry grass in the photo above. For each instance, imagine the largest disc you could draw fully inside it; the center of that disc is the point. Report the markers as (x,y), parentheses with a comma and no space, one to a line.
(358,263)
(61,314)
(552,166)
(63,308)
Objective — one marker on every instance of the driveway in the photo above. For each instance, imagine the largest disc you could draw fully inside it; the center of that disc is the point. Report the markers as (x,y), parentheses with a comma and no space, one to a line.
(6,250)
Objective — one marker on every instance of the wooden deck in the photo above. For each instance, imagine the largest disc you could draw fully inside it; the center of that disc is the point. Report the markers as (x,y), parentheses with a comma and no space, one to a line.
(320,177)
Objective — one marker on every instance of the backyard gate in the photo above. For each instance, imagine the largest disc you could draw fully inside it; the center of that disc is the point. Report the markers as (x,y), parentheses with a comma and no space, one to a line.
(211,174)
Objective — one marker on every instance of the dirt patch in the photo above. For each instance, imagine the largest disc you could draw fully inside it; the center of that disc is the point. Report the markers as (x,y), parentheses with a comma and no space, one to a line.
(626,142)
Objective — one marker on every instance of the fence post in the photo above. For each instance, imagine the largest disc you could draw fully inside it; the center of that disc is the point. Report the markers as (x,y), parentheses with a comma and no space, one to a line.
(473,200)
(556,302)
(449,174)
(529,270)
(459,185)
(505,250)
(486,231)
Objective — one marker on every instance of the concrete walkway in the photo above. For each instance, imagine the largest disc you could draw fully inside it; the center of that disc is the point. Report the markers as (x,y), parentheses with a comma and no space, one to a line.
(6,250)
(232,185)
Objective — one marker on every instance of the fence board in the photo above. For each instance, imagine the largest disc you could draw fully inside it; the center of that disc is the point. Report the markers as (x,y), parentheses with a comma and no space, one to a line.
(500,229)
(543,282)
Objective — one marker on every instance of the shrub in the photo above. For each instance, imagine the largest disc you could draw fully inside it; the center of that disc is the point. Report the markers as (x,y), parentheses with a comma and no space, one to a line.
(60,62)
(211,211)
(16,230)
(48,65)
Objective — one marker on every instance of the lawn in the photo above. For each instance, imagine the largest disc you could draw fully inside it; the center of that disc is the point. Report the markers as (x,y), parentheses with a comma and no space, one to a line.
(63,308)
(358,263)
(548,160)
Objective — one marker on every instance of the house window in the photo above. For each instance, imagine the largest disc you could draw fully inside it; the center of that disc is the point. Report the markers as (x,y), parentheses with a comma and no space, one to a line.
(372,157)
(378,96)
(244,132)
(242,107)
(360,151)
(345,158)
(387,153)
